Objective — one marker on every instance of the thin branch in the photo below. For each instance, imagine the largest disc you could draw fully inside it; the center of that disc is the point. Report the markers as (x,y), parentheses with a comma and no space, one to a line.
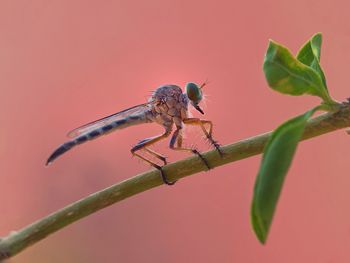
(17,241)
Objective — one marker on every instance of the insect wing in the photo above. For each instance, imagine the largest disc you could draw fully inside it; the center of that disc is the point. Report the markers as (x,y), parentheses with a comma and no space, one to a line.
(109,119)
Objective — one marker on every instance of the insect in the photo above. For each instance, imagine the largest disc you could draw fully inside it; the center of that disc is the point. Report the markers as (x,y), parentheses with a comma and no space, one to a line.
(168,106)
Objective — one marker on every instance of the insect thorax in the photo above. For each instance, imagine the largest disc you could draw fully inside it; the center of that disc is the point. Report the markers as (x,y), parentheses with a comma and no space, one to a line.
(169,105)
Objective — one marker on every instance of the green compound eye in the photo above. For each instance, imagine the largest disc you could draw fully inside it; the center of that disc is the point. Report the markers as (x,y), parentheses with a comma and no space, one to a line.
(194,93)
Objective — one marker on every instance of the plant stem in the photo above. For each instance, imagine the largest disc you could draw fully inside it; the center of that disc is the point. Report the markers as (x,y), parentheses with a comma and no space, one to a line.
(17,241)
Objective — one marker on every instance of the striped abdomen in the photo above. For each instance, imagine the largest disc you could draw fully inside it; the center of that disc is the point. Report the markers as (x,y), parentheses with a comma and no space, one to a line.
(116,125)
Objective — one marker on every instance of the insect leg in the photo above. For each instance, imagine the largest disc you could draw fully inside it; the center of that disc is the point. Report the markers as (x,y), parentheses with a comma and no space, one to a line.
(177,138)
(208,134)
(157,155)
(143,145)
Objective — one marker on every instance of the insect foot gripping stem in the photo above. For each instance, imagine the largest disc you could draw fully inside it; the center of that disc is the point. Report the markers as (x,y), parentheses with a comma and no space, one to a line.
(164,178)
(218,148)
(216,145)
(205,161)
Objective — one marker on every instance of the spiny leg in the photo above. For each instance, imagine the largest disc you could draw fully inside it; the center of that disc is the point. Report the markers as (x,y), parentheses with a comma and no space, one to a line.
(177,138)
(208,134)
(147,142)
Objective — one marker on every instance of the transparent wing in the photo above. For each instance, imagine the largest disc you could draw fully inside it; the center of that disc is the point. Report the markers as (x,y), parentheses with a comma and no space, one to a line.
(109,119)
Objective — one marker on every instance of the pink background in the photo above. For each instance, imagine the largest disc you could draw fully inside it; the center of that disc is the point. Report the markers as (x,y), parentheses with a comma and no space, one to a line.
(64,63)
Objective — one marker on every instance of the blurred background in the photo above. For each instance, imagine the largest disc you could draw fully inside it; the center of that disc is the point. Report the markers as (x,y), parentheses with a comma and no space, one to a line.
(65,63)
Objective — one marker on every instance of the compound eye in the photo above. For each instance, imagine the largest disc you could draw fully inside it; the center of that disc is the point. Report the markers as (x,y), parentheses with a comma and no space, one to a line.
(194,93)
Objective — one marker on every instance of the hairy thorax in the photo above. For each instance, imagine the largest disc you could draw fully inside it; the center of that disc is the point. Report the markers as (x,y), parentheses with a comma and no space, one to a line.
(169,106)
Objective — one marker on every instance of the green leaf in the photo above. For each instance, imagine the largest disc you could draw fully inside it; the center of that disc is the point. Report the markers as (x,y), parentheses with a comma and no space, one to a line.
(310,55)
(286,74)
(276,160)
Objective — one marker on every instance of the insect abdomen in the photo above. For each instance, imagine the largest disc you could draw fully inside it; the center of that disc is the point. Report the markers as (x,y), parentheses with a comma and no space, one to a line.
(70,144)
(119,124)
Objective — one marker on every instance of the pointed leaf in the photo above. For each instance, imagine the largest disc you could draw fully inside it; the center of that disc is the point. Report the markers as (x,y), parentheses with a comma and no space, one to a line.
(276,160)
(286,74)
(310,55)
